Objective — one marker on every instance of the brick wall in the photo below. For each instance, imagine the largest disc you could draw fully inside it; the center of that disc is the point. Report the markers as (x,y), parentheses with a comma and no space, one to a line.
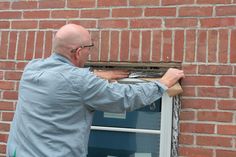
(201,34)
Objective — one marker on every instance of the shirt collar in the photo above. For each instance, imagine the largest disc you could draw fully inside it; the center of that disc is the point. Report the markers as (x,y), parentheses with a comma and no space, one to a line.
(61,58)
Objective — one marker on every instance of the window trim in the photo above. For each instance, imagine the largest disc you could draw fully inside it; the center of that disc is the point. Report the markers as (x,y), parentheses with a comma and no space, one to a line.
(166,126)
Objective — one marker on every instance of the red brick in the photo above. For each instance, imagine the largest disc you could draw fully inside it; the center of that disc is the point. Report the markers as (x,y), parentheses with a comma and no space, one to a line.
(85,23)
(189,91)
(179,45)
(24,5)
(186,139)
(233,47)
(212,45)
(156,46)
(227,105)
(189,69)
(81,3)
(20,65)
(201,46)
(217,22)
(7,85)
(223,46)
(48,44)
(113,23)
(39,49)
(1,75)
(114,50)
(95,51)
(225,10)
(187,22)
(4,127)
(126,12)
(190,45)
(17,86)
(215,69)
(10,15)
(142,2)
(12,45)
(177,2)
(146,46)
(213,92)
(167,46)
(228,81)
(3,137)
(195,11)
(95,13)
(198,103)
(215,116)
(145,23)
(124,46)
(197,128)
(171,11)
(4,5)
(226,129)
(107,3)
(10,95)
(195,152)
(199,80)
(13,75)
(23,24)
(51,24)
(225,153)
(214,141)
(4,24)
(7,65)
(187,115)
(135,46)
(7,116)
(21,46)
(2,148)
(105,42)
(4,44)
(51,4)
(36,14)
(65,14)
(7,106)
(30,45)
(213,1)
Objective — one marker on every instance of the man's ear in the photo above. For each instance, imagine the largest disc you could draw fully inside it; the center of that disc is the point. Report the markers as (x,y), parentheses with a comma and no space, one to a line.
(77,53)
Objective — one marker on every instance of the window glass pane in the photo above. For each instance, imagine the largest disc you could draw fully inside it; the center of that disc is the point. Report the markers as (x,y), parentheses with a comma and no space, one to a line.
(122,144)
(148,117)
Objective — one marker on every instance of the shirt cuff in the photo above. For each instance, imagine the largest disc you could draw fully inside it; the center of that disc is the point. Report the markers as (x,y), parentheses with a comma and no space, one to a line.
(163,87)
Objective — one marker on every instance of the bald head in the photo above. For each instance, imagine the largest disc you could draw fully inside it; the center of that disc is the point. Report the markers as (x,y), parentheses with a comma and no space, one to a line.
(68,37)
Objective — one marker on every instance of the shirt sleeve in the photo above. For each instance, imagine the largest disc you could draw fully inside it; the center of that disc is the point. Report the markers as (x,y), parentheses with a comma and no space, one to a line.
(99,94)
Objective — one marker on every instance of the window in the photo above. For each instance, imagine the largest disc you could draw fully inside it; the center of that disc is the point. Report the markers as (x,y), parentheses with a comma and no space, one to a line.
(147,132)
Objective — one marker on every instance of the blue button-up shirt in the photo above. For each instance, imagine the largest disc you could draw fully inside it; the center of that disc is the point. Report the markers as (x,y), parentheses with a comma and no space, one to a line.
(56,105)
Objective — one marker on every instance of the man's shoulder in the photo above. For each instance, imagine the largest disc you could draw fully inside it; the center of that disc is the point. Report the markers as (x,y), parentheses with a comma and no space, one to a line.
(32,63)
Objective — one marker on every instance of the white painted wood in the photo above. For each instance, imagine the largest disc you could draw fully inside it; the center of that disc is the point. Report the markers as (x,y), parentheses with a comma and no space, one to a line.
(166,126)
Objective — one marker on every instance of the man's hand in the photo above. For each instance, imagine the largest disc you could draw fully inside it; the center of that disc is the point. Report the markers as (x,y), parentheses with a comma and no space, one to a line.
(111,74)
(171,77)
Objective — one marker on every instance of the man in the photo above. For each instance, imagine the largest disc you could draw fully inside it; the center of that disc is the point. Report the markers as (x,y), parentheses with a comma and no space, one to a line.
(58,97)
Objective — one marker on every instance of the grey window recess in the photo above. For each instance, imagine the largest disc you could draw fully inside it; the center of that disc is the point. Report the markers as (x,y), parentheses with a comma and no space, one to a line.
(151,131)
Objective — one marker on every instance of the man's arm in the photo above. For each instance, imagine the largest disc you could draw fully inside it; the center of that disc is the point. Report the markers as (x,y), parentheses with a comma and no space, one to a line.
(111,74)
(98,94)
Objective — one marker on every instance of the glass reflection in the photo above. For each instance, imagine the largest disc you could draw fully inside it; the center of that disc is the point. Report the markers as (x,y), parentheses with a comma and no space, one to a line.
(121,144)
